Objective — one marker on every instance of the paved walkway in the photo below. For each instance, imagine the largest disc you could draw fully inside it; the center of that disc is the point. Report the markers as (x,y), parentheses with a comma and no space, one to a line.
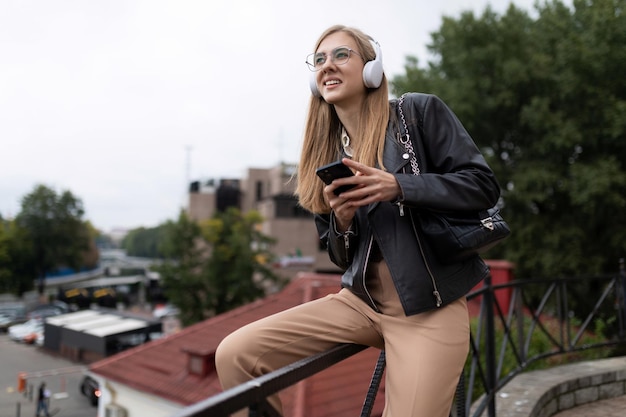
(612,407)
(18,357)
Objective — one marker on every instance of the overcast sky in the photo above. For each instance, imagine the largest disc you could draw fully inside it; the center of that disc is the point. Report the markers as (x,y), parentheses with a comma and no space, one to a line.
(122,102)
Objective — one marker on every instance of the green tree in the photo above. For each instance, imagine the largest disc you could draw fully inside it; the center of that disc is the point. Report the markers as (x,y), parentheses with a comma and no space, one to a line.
(17,271)
(216,265)
(144,241)
(5,259)
(54,229)
(182,274)
(545,98)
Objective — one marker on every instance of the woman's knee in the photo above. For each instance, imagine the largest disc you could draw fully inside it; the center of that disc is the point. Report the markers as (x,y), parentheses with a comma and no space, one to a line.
(228,352)
(223,354)
(238,351)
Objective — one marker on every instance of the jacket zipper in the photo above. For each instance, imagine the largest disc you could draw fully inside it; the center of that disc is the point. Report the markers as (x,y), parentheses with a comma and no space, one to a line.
(436,293)
(400,208)
(346,243)
(367,257)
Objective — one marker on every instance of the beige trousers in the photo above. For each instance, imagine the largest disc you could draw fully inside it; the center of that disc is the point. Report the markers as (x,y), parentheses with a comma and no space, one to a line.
(425,353)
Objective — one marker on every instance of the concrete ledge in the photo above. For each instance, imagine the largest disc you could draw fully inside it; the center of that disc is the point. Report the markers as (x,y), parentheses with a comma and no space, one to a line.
(546,392)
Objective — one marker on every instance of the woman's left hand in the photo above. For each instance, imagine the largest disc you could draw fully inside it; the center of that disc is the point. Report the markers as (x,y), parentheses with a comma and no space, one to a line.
(373,185)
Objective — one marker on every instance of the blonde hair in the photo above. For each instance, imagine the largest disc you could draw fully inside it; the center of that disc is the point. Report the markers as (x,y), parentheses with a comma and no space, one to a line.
(322,131)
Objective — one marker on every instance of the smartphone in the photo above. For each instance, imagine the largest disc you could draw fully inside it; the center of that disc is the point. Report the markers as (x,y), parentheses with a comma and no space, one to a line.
(335,170)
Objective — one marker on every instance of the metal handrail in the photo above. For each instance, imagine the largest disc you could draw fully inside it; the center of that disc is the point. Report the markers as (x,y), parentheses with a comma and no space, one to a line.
(253,393)
(485,372)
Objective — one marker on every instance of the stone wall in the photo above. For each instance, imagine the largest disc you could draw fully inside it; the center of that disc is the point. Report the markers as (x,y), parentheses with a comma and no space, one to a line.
(546,392)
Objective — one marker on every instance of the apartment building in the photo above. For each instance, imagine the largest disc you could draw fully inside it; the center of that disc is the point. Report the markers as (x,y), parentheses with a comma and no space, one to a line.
(270,191)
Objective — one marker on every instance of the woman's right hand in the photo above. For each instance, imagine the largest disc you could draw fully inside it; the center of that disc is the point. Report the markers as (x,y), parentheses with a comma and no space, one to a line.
(344,212)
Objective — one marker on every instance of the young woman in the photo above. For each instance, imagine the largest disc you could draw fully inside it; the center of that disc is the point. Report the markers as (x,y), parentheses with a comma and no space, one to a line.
(396,294)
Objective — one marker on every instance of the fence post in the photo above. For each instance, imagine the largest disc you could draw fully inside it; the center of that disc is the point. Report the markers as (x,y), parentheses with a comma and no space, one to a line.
(490,346)
(621,298)
(519,320)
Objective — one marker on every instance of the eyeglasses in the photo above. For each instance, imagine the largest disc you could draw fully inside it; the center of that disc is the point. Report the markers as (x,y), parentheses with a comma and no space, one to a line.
(338,56)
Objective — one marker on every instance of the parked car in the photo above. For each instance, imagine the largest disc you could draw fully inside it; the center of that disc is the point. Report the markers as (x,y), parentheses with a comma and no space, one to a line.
(165,310)
(48,310)
(90,388)
(20,332)
(11,314)
(5,321)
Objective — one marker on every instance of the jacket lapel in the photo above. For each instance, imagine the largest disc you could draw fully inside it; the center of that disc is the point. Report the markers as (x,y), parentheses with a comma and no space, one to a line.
(395,156)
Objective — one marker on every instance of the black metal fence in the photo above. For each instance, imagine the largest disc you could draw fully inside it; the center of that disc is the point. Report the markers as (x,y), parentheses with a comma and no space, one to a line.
(561,313)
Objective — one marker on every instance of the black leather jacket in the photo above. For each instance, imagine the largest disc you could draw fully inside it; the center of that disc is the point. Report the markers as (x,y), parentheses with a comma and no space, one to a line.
(454,177)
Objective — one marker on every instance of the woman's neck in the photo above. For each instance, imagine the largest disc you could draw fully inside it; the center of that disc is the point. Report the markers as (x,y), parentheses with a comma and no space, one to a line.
(349,119)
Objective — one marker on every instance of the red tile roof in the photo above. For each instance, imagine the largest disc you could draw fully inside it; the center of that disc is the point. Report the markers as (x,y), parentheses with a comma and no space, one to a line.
(160,367)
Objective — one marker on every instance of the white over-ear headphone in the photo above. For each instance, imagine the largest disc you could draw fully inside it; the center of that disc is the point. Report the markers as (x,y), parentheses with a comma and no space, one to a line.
(372,72)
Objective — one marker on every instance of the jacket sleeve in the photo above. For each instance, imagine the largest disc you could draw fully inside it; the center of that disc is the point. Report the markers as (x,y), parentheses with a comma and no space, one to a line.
(340,246)
(454,175)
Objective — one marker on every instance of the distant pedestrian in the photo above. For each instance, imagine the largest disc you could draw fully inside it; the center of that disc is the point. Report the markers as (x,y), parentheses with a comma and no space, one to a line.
(43,397)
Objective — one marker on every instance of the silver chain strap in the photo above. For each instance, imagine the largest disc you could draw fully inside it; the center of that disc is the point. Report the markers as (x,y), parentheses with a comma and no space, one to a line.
(406,139)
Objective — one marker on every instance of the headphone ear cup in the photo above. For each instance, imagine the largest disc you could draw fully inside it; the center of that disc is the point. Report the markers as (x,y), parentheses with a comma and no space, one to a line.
(313,85)
(373,70)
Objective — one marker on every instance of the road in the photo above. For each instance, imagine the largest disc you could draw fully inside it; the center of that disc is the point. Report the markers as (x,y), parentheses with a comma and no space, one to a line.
(64,385)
